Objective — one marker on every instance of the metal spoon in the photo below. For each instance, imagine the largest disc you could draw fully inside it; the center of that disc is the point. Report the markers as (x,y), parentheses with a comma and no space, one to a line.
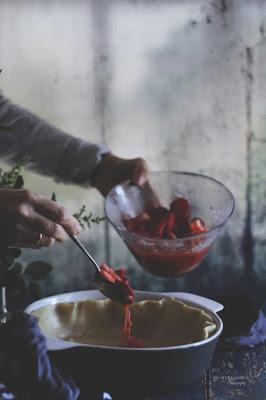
(80,245)
(114,291)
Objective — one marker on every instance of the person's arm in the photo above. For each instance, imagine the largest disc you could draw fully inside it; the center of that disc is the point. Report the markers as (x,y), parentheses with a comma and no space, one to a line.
(58,154)
(52,152)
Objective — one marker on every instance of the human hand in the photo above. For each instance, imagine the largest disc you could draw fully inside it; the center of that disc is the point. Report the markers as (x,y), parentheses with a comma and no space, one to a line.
(112,170)
(28,219)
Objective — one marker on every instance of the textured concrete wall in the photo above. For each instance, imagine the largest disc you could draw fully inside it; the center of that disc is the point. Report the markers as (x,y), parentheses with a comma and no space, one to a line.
(181,83)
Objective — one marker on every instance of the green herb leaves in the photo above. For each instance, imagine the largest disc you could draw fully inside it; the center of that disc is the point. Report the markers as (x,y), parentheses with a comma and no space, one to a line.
(86,219)
(13,179)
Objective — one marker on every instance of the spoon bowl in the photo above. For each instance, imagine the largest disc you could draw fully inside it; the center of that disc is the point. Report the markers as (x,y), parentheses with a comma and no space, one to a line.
(114,287)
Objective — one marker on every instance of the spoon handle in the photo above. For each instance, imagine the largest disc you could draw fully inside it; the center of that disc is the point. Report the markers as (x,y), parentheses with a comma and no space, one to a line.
(3,308)
(85,251)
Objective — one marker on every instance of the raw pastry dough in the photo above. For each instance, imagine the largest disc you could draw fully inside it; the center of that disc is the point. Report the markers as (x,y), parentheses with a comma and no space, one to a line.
(159,323)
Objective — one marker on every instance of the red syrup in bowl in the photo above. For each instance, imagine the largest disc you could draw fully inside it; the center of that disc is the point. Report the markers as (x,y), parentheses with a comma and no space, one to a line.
(170,224)
(169,265)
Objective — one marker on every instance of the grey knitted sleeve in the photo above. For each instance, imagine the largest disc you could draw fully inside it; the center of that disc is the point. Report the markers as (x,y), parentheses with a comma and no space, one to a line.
(51,151)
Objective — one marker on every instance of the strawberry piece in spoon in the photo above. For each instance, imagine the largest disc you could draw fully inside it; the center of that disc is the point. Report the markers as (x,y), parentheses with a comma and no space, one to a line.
(115,285)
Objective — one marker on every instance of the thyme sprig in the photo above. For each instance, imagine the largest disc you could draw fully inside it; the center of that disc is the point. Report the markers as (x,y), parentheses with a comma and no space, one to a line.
(86,219)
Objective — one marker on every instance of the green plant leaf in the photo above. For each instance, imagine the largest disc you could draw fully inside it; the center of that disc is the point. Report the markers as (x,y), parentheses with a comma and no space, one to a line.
(86,219)
(17,268)
(21,287)
(8,256)
(38,270)
(13,252)
(35,290)
(19,183)
(6,261)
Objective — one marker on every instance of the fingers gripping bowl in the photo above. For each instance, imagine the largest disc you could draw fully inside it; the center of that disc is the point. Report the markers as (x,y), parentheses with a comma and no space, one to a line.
(170,256)
(140,371)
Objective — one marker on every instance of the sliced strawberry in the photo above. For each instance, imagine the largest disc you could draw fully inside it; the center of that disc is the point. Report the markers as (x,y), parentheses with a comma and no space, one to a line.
(124,289)
(157,212)
(170,226)
(122,273)
(128,339)
(197,225)
(182,230)
(172,235)
(116,282)
(129,224)
(159,220)
(129,299)
(181,208)
(115,285)
(106,276)
(104,267)
(171,222)
(138,224)
(161,223)
(143,216)
(142,229)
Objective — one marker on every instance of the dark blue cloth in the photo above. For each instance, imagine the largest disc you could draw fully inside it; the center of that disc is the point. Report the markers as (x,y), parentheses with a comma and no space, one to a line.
(255,335)
(25,368)
(5,393)
(244,321)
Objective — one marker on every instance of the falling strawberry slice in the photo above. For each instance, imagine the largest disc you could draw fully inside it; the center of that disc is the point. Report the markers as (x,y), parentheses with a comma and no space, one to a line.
(128,339)
(115,285)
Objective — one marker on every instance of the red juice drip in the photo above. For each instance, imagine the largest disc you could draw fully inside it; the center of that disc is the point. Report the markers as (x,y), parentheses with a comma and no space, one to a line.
(126,296)
(128,339)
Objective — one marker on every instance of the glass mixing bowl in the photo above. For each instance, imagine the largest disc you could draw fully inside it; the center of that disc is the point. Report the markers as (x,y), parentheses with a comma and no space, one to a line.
(209,199)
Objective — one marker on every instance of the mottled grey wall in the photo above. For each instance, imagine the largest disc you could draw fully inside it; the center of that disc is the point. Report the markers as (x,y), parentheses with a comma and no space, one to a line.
(180,83)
